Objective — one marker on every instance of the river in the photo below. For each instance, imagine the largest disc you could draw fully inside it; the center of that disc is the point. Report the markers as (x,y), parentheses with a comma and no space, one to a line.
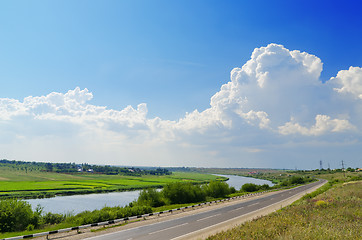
(79,203)
(237,181)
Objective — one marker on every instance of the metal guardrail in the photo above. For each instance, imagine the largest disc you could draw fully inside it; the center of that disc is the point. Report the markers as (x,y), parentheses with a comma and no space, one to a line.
(140,216)
(129,218)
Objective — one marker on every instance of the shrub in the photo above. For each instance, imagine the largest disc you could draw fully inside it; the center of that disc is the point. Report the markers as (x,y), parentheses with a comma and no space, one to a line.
(108,213)
(150,197)
(15,215)
(264,187)
(53,218)
(321,203)
(250,187)
(217,189)
(183,193)
(297,180)
(30,227)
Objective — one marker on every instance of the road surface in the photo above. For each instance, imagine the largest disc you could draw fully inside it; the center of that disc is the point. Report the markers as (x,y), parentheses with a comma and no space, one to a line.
(187,227)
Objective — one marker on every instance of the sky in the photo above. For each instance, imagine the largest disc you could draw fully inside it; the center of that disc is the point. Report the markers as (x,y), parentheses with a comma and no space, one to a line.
(267,84)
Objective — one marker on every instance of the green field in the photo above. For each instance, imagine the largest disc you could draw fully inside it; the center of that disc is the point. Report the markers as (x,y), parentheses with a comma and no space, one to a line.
(32,184)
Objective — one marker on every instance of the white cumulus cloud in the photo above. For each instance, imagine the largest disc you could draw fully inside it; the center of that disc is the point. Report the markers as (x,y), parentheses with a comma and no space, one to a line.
(350,82)
(323,124)
(275,100)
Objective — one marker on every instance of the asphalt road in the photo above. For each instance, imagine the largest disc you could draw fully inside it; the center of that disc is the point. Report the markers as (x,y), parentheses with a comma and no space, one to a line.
(180,228)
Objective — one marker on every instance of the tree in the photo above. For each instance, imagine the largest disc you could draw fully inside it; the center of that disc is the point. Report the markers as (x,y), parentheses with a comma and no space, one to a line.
(49,167)
(150,197)
(250,187)
(217,189)
(297,180)
(17,215)
(183,193)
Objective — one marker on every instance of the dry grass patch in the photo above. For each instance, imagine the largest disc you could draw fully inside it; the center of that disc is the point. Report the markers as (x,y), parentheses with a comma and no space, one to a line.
(335,214)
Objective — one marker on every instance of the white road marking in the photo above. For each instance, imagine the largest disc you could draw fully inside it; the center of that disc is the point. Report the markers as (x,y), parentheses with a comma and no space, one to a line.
(168,228)
(209,217)
(236,209)
(230,220)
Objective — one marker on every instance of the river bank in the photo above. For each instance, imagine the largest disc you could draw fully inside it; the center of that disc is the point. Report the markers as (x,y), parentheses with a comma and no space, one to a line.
(79,203)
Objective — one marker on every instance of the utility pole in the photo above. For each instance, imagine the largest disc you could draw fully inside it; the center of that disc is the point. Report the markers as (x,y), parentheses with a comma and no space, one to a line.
(320,165)
(344,172)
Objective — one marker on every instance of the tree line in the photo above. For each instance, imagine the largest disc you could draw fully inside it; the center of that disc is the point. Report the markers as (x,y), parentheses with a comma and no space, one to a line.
(84,167)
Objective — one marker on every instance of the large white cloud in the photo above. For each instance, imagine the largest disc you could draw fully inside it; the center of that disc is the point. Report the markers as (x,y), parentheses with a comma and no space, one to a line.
(275,100)
(349,81)
(277,90)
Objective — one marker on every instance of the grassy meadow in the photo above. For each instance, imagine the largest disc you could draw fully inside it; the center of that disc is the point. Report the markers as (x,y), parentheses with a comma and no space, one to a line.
(333,212)
(23,183)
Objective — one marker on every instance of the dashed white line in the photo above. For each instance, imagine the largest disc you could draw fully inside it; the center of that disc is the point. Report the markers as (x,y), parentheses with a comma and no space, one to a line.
(230,220)
(209,217)
(236,209)
(168,228)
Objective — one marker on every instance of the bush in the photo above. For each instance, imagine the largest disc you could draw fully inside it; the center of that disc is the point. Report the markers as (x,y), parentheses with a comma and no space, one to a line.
(183,193)
(250,187)
(217,189)
(108,213)
(16,215)
(265,187)
(53,218)
(30,227)
(150,197)
(321,203)
(297,180)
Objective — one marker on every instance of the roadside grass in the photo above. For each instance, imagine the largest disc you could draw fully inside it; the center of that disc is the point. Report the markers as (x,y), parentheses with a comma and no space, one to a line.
(333,214)
(45,229)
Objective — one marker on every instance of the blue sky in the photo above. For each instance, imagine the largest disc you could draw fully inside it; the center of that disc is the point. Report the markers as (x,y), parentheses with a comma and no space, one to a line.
(174,56)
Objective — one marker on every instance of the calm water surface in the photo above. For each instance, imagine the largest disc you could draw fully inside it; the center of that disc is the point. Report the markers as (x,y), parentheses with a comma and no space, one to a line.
(79,203)
(238,181)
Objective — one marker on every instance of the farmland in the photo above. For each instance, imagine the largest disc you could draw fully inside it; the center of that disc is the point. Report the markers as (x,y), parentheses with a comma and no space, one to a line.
(25,183)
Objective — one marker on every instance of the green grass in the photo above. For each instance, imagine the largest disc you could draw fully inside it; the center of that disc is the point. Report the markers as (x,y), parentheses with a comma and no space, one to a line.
(333,214)
(47,229)
(32,184)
